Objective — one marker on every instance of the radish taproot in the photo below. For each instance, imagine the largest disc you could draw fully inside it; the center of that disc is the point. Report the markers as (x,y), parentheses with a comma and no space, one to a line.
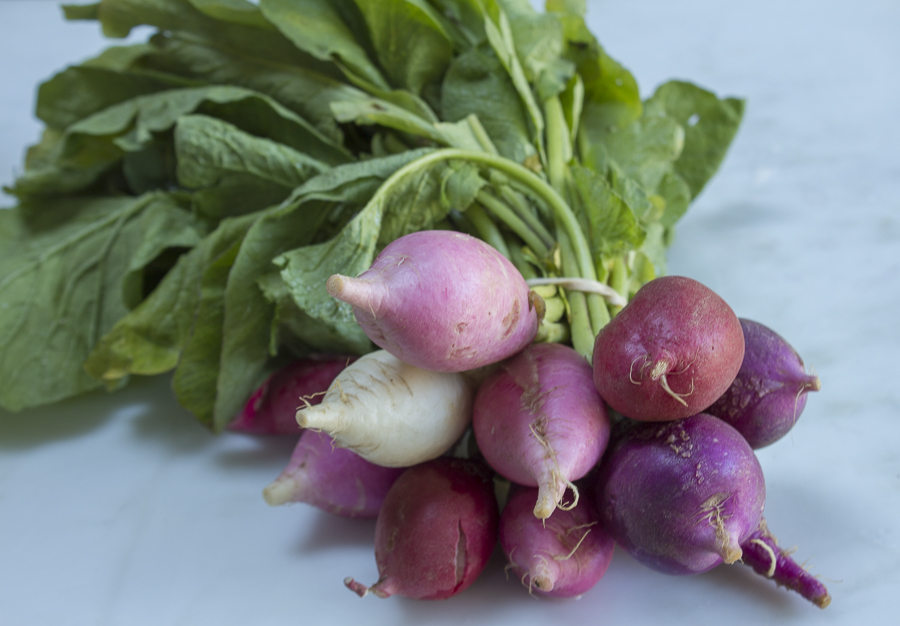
(392,413)
(442,301)
(272,408)
(539,421)
(762,553)
(680,496)
(562,556)
(670,353)
(436,531)
(333,479)
(769,393)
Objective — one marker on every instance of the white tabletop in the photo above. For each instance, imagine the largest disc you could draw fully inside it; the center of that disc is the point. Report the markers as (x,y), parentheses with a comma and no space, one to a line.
(122,510)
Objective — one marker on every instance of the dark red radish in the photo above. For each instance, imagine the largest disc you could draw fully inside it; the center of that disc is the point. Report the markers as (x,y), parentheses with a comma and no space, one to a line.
(670,353)
(436,531)
(769,393)
(562,556)
(681,496)
(539,421)
(762,553)
(272,408)
(330,478)
(443,301)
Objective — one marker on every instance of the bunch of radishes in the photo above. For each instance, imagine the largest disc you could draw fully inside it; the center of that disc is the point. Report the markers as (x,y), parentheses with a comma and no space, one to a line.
(692,390)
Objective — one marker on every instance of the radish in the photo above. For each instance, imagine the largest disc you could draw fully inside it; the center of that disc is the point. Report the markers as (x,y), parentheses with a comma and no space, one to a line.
(442,301)
(435,532)
(681,496)
(670,353)
(769,393)
(761,552)
(391,413)
(272,408)
(539,421)
(335,480)
(562,556)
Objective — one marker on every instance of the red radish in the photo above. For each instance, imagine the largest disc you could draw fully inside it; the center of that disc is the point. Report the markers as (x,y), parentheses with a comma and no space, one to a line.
(539,421)
(670,353)
(272,408)
(562,556)
(681,496)
(435,532)
(761,552)
(443,301)
(769,393)
(333,479)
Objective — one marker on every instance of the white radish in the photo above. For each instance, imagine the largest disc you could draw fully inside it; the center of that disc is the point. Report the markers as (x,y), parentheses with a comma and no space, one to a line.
(391,413)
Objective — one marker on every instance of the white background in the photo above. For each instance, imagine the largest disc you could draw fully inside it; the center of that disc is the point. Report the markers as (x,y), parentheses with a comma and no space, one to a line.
(121,510)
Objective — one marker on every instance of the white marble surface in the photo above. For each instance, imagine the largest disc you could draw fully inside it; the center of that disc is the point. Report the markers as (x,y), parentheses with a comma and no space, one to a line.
(121,510)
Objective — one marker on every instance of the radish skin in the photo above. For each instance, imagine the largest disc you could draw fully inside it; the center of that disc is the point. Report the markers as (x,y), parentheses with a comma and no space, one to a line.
(435,532)
(670,353)
(443,301)
(563,556)
(540,422)
(682,496)
(272,408)
(333,479)
(391,413)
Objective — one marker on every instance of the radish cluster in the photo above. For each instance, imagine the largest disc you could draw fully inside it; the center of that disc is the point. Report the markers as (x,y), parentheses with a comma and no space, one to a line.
(649,446)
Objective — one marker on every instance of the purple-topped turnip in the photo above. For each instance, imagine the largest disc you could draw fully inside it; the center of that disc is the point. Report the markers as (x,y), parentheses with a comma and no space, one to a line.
(540,422)
(680,496)
(769,393)
(670,353)
(443,301)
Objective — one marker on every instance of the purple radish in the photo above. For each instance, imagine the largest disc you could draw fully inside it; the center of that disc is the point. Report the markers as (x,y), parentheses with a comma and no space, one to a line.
(670,353)
(539,421)
(761,552)
(681,496)
(333,479)
(769,393)
(272,408)
(562,556)
(443,301)
(435,532)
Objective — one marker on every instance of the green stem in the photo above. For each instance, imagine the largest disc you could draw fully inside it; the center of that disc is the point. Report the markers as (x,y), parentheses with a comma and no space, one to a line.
(487,229)
(579,315)
(518,203)
(515,224)
(618,280)
(567,220)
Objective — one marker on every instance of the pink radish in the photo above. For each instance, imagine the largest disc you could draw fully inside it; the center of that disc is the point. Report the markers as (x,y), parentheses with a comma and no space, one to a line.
(540,422)
(436,531)
(681,496)
(272,408)
(769,393)
(443,301)
(562,556)
(670,353)
(333,479)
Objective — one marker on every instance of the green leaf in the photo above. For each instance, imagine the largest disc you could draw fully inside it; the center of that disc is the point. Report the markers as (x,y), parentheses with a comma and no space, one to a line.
(709,123)
(426,48)
(614,226)
(65,278)
(93,145)
(235,11)
(235,171)
(317,27)
(150,338)
(477,83)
